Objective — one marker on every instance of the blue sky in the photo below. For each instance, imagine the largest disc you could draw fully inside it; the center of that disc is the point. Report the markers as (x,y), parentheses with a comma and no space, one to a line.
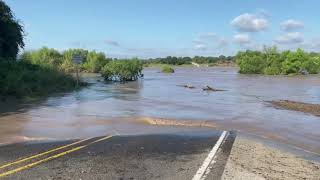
(154,28)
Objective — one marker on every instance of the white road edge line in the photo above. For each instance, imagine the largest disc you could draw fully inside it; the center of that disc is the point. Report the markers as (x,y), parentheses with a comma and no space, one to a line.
(207,161)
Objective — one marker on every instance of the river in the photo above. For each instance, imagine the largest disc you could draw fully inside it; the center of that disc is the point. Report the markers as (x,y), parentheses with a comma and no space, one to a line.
(104,108)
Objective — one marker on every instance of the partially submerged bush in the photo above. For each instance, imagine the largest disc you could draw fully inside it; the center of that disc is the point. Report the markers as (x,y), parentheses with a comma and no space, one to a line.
(94,62)
(167,69)
(122,70)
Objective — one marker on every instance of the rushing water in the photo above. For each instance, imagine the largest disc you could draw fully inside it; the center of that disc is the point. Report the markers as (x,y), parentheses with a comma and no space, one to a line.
(109,108)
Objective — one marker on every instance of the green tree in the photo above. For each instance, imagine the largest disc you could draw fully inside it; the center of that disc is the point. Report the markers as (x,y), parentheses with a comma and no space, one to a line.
(273,60)
(294,61)
(312,65)
(11,33)
(251,62)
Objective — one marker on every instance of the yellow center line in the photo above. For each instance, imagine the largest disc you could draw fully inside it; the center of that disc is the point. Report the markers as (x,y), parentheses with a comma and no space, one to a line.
(51,157)
(42,154)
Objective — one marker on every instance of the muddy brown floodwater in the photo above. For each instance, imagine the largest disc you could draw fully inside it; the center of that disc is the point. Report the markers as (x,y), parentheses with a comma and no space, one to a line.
(118,108)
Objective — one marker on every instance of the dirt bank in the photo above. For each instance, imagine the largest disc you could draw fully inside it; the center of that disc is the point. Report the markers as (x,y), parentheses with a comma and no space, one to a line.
(313,109)
(251,160)
(172,122)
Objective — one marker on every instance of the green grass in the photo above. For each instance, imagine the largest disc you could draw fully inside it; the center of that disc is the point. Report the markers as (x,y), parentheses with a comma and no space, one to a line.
(25,80)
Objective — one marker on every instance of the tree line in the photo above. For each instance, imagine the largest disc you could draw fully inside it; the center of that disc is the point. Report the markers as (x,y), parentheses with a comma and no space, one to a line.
(172,60)
(271,61)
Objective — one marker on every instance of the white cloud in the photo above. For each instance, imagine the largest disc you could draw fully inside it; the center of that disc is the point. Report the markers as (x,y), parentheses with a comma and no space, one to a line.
(290,38)
(249,23)
(291,25)
(209,40)
(242,39)
(201,47)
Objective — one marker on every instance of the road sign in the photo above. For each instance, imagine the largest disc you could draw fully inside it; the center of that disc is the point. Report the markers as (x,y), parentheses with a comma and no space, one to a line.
(77,59)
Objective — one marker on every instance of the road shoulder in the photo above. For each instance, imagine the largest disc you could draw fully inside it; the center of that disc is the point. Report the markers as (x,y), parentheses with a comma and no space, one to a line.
(251,159)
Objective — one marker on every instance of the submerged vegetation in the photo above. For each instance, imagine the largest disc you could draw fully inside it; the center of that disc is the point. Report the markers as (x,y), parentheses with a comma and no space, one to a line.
(167,69)
(122,70)
(272,62)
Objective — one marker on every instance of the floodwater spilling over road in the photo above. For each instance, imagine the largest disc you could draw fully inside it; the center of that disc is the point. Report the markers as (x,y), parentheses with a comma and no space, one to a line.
(118,108)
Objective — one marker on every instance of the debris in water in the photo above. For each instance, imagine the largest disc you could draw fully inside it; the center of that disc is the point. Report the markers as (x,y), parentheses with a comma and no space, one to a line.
(187,86)
(208,88)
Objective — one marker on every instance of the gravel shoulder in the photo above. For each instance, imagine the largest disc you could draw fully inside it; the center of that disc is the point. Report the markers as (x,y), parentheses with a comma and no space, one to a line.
(253,160)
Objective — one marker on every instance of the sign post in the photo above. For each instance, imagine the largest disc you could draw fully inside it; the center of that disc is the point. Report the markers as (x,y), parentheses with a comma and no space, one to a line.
(77,59)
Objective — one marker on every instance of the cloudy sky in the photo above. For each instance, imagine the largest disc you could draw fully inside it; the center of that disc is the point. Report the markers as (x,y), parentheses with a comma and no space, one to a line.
(154,28)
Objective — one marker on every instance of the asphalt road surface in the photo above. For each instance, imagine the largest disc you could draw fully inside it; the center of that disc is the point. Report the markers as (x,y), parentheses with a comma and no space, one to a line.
(164,156)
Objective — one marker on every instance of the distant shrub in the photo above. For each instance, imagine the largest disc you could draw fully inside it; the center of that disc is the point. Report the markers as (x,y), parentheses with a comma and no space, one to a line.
(167,69)
(122,70)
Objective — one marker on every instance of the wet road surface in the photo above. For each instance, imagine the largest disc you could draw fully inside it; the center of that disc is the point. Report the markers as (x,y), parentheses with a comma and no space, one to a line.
(165,156)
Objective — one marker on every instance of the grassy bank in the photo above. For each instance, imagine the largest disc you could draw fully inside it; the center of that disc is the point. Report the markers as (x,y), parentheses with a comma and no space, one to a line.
(22,80)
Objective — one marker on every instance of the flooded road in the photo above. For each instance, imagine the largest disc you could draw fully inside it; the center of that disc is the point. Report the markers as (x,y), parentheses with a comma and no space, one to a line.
(117,108)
